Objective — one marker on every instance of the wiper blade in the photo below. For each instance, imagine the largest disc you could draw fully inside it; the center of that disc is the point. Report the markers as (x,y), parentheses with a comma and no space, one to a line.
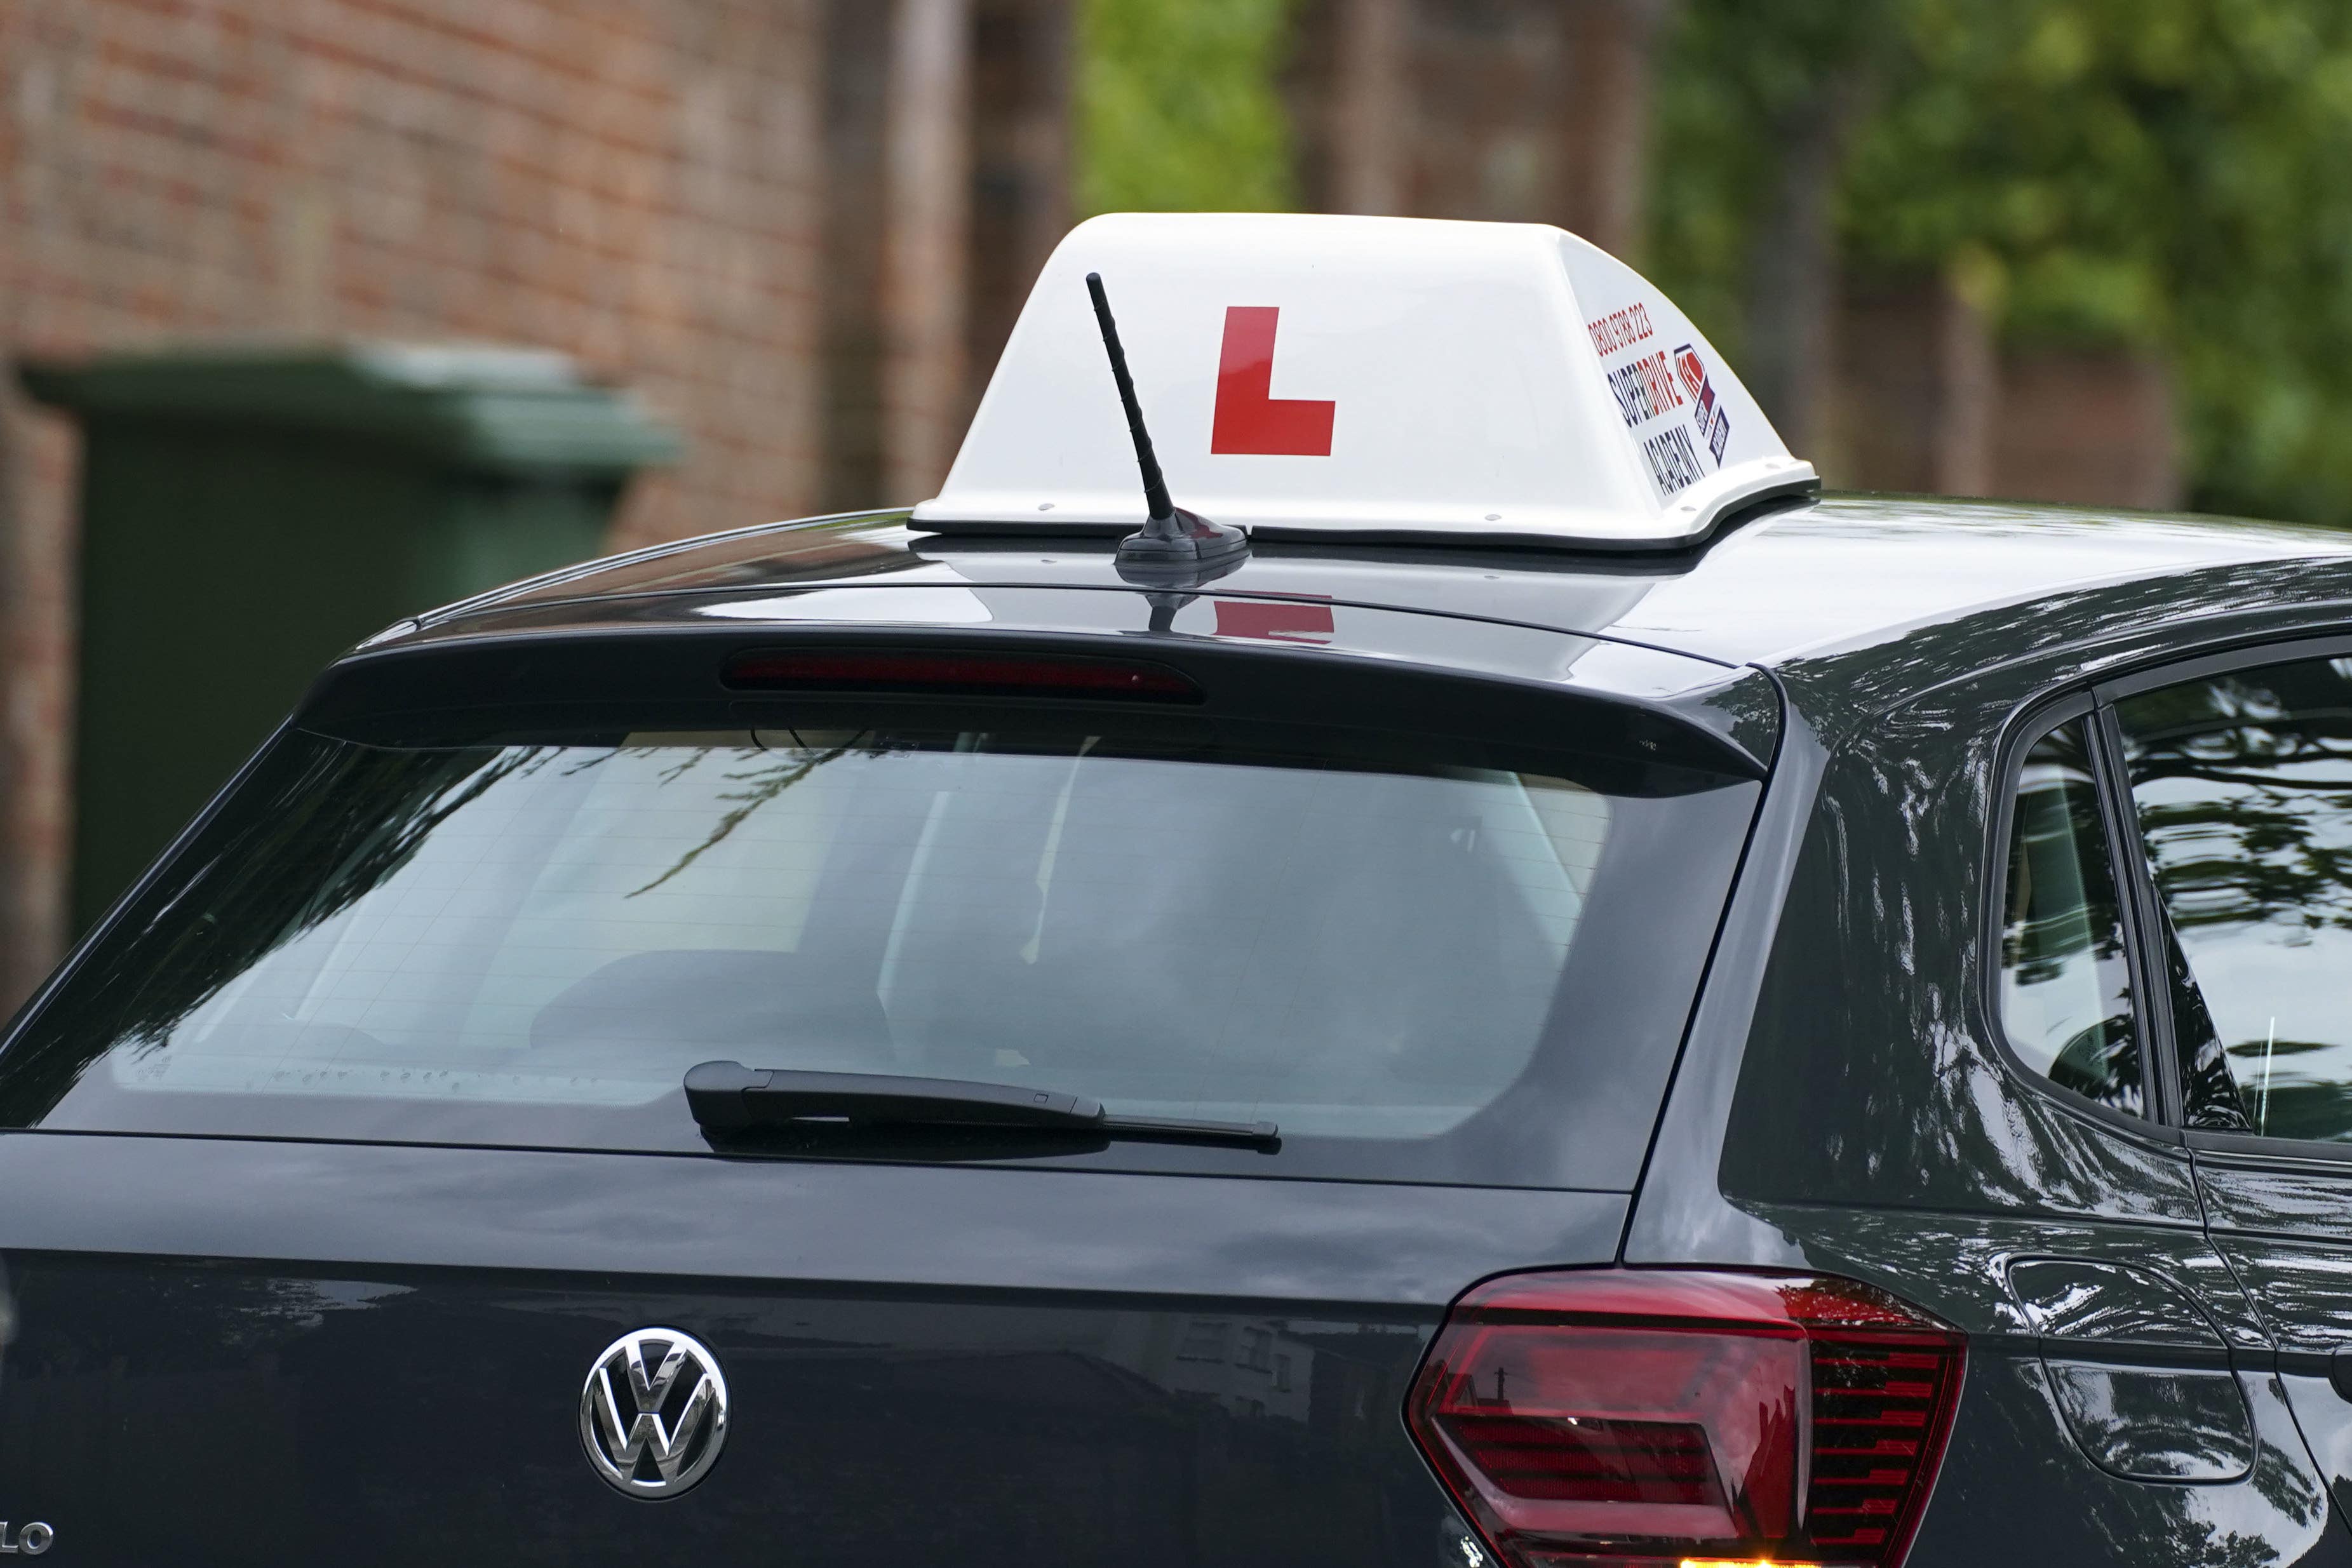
(729,1097)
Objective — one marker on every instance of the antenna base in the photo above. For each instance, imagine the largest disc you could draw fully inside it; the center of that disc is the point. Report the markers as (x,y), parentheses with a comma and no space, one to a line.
(1182,540)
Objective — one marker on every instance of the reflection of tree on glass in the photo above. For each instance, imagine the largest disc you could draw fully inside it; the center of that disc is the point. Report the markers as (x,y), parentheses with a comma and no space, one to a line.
(2065,986)
(245,916)
(761,785)
(2244,787)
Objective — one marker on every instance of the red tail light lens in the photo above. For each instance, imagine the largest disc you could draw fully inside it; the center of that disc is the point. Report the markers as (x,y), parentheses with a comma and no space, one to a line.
(957,675)
(1625,1417)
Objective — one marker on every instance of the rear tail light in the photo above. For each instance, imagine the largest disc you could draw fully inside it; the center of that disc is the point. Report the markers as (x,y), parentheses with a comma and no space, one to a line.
(1619,1418)
(957,673)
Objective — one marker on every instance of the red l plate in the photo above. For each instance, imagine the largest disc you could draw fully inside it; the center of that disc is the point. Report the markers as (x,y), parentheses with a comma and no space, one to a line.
(1249,419)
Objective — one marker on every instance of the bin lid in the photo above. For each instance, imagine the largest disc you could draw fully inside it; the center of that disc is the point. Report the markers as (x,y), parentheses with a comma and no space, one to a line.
(472,405)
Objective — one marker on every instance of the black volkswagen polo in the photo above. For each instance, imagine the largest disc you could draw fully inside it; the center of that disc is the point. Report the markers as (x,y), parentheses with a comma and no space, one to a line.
(1828,1043)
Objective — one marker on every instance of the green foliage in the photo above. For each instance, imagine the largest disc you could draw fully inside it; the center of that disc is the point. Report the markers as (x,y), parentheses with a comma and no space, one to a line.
(1735,81)
(2170,174)
(2020,149)
(1704,196)
(1178,107)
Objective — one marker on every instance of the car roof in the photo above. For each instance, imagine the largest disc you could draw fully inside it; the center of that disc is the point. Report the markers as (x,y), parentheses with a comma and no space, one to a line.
(1801,590)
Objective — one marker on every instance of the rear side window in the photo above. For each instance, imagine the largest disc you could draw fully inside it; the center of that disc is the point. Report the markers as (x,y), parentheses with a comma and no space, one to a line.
(1418,959)
(2066,981)
(2242,784)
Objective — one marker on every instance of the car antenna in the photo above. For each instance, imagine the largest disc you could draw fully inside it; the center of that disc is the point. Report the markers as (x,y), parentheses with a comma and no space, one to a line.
(1171,540)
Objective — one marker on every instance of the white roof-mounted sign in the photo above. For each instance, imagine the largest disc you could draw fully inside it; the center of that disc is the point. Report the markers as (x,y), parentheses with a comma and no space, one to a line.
(1345,377)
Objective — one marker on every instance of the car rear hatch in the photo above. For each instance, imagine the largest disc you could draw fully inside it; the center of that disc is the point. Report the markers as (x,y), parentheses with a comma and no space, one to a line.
(256,1351)
(358,1210)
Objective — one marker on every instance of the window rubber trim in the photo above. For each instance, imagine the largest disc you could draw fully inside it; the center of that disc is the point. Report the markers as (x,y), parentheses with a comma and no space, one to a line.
(2142,919)
(2025,730)
(2294,650)
(2262,1149)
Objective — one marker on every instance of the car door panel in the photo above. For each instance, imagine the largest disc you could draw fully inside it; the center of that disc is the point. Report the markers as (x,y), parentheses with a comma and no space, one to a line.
(2286,1230)
(2273,1193)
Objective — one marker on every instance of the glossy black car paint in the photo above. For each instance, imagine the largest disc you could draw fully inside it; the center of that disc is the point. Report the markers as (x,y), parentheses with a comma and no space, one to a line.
(1850,1106)
(980,1362)
(295,1352)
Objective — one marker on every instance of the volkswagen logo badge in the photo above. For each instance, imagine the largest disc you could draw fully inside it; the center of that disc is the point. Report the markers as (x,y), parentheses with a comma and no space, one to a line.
(653,1416)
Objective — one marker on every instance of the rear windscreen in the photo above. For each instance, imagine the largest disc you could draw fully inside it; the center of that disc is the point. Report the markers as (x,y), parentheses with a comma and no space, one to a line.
(1422,959)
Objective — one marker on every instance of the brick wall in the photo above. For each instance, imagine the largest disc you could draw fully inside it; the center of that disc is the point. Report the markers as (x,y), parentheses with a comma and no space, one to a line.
(948,155)
(2089,427)
(638,182)
(1928,401)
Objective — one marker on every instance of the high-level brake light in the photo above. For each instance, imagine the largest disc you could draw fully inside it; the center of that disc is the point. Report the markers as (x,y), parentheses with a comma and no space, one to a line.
(919,673)
(1638,1418)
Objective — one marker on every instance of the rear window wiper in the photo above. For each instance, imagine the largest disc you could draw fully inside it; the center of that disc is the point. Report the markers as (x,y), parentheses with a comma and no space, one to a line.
(729,1097)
